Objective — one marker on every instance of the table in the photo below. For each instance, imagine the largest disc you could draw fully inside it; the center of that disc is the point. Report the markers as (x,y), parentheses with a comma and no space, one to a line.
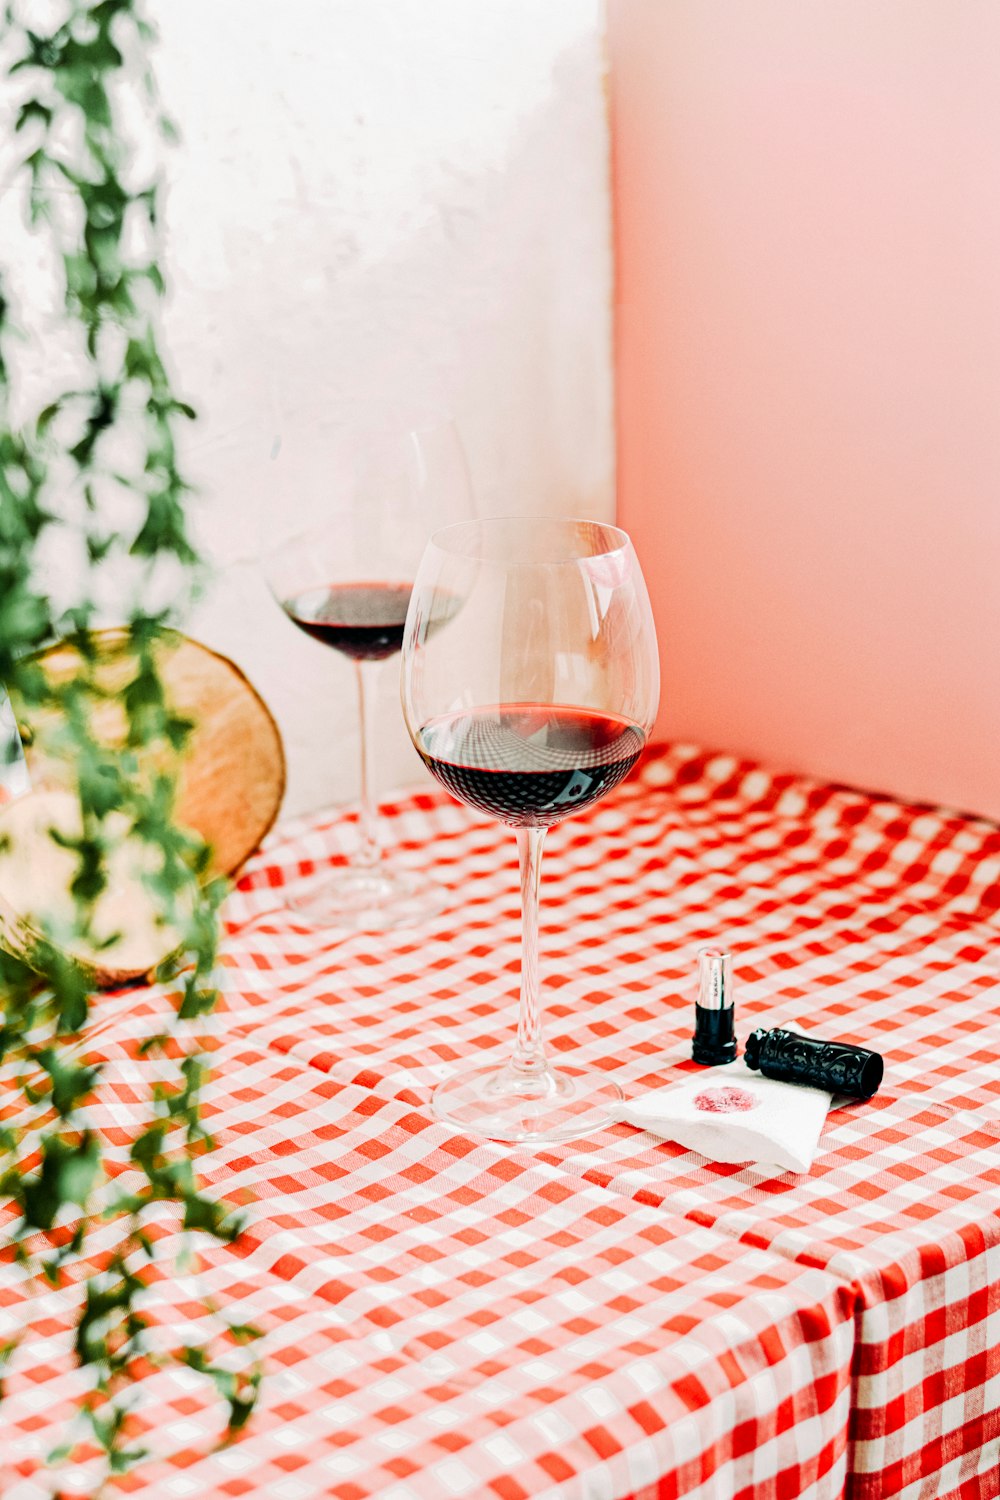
(614,1318)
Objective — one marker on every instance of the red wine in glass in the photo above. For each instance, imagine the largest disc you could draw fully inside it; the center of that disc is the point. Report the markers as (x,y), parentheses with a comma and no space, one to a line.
(363,621)
(527,764)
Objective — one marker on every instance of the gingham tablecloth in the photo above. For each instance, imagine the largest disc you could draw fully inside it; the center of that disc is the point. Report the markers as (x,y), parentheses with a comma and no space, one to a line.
(617,1317)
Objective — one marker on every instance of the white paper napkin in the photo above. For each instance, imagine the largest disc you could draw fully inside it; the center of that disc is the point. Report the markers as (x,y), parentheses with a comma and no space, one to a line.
(733,1114)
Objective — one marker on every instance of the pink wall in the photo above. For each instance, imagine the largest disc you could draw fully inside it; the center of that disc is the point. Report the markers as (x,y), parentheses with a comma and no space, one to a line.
(808,250)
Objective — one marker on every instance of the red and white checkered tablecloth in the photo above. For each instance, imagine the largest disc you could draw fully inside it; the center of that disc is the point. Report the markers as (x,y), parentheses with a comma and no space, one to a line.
(483,1321)
(449,1319)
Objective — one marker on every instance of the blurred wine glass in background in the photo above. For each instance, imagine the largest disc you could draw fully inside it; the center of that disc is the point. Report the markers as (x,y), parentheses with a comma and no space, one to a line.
(345,581)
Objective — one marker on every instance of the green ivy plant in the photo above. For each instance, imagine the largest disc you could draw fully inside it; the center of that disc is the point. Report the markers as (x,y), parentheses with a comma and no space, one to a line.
(96,469)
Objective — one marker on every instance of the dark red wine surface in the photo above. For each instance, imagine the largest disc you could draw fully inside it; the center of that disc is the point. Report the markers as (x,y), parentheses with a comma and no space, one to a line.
(363,620)
(529,764)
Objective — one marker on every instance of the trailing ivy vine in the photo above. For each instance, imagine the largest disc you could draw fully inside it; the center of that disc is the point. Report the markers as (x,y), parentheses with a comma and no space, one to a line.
(93,469)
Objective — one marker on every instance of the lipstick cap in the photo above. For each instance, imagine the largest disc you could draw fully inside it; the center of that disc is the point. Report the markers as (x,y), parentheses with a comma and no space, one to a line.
(714,1041)
(792,1057)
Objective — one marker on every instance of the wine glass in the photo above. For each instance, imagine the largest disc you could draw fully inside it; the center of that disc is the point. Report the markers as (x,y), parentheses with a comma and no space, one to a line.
(530,683)
(345,580)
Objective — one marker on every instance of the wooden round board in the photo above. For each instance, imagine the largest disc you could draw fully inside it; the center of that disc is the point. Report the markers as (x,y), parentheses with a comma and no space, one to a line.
(36,873)
(230,787)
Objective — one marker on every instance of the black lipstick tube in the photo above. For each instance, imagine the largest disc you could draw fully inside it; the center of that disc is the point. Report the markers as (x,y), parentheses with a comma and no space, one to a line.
(791,1057)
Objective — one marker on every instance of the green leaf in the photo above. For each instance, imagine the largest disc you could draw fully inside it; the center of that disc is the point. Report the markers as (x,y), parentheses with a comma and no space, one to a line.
(7,1351)
(148,1147)
(123,1459)
(99,548)
(46,417)
(216,1219)
(70,1082)
(244,1333)
(71,990)
(241,1406)
(67,1175)
(33,109)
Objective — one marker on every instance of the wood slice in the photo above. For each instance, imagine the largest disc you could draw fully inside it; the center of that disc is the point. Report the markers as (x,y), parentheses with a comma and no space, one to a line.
(230,786)
(232,777)
(36,873)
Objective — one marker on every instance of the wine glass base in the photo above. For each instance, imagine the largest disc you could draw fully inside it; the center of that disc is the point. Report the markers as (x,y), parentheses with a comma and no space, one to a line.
(370,900)
(502,1104)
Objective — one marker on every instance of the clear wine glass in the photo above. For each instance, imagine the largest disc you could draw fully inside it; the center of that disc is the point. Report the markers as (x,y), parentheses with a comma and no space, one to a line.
(345,580)
(530,683)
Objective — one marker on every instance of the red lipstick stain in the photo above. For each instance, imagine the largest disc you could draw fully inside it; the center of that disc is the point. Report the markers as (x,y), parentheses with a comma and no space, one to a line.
(725,1101)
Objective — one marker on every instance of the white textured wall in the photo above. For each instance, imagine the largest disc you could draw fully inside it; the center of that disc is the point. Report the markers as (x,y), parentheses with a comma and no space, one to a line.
(377,201)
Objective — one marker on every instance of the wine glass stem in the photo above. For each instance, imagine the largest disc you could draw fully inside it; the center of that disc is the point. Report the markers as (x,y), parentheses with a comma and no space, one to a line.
(369,854)
(529,1055)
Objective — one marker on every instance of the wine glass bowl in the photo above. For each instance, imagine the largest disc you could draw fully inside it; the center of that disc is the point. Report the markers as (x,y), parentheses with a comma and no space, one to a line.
(530,683)
(362,620)
(345,579)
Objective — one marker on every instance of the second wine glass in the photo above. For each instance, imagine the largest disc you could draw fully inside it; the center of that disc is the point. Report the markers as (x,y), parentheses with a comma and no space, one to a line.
(345,581)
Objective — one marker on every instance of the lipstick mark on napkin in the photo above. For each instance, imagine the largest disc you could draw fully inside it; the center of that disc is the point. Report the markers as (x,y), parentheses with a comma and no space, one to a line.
(725,1101)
